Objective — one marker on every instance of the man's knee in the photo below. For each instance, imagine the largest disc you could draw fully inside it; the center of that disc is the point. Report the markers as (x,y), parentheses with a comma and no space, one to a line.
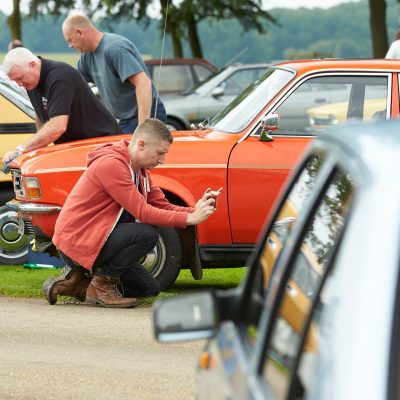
(150,235)
(154,289)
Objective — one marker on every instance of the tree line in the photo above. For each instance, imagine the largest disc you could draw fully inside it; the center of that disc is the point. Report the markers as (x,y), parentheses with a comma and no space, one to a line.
(342,31)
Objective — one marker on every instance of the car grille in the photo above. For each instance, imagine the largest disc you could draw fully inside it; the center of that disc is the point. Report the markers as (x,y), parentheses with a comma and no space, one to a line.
(17,182)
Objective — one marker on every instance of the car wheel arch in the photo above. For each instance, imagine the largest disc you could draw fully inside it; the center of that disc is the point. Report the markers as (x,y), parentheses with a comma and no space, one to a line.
(188,238)
(176,123)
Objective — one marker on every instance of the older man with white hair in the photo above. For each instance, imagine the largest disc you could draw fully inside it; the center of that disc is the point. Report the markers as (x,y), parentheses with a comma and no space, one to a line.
(66,109)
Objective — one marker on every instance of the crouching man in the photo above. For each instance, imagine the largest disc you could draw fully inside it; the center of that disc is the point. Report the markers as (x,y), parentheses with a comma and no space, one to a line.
(108,222)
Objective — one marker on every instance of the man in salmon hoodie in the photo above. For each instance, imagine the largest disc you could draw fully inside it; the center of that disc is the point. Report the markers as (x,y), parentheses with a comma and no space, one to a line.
(108,222)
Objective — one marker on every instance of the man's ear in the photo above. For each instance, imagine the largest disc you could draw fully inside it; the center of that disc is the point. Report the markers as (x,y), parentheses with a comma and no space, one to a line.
(141,144)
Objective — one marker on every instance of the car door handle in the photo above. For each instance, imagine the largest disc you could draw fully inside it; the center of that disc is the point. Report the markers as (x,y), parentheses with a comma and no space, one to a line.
(320,101)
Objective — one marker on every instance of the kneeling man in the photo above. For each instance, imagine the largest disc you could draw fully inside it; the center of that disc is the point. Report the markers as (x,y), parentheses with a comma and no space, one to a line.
(108,222)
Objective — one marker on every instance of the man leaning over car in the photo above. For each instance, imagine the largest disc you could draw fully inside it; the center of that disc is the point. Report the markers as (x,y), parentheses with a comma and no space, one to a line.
(66,109)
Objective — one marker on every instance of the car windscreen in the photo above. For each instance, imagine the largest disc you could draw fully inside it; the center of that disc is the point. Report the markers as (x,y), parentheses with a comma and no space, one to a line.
(16,95)
(244,108)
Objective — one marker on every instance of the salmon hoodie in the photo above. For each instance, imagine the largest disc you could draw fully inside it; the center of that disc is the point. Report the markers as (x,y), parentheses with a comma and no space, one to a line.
(96,202)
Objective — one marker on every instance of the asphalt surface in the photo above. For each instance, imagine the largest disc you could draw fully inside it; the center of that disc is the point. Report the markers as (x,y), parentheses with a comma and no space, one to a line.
(77,351)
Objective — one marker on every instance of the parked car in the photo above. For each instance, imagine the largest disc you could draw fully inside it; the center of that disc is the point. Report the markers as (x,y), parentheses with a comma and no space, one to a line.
(178,74)
(210,96)
(16,126)
(316,316)
(234,151)
(335,113)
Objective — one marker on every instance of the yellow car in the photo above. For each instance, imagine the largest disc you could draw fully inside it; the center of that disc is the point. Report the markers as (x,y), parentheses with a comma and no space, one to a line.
(17,124)
(322,117)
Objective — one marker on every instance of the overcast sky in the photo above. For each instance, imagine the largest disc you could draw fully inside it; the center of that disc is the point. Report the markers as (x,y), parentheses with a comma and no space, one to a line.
(6,5)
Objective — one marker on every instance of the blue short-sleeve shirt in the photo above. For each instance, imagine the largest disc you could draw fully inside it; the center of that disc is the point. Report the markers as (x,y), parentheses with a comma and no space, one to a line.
(109,67)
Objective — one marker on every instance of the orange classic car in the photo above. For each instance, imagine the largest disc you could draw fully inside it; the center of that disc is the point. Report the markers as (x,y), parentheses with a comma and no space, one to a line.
(242,149)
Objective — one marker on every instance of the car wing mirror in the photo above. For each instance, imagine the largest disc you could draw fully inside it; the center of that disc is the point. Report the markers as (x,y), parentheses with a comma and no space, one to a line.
(189,317)
(217,92)
(269,123)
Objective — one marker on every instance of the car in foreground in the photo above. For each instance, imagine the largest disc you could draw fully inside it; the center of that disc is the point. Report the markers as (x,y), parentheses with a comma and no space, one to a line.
(236,151)
(172,76)
(17,124)
(317,315)
(212,95)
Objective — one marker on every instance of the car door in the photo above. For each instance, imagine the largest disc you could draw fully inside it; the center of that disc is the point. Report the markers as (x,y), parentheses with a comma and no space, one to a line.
(17,120)
(257,170)
(283,285)
(289,329)
(237,344)
(226,91)
(278,330)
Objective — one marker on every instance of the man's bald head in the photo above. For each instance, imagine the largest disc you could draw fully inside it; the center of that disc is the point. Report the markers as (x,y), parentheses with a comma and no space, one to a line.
(80,33)
(76,20)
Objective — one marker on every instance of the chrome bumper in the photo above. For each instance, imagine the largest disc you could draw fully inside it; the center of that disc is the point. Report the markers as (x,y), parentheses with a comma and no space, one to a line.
(32,207)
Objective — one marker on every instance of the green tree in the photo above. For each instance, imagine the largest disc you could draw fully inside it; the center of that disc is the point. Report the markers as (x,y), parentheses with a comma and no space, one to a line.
(14,21)
(183,17)
(377,22)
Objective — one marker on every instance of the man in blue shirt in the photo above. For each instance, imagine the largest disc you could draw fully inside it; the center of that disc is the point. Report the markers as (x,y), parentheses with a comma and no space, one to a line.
(115,65)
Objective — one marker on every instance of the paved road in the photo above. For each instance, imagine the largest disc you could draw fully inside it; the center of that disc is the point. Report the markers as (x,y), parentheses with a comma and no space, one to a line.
(69,351)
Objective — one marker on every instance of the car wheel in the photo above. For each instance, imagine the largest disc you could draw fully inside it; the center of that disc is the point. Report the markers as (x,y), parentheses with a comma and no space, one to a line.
(13,245)
(164,261)
(174,125)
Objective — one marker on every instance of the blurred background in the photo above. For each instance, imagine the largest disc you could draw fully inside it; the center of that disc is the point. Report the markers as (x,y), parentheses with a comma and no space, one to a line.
(223,32)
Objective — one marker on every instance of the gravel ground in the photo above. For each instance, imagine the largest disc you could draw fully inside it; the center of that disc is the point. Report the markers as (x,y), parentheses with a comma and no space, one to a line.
(77,351)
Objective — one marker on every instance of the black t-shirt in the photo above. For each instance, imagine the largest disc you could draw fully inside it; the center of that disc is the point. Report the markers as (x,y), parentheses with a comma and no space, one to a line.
(63,91)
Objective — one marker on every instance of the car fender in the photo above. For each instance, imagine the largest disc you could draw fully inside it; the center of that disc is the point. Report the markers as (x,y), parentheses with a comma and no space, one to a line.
(167,184)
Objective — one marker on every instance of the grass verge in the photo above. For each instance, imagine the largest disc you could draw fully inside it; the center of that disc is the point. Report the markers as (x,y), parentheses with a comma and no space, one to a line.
(17,281)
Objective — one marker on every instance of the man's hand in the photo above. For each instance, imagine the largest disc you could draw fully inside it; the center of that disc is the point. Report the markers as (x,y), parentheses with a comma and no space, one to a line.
(9,156)
(201,212)
(205,207)
(211,194)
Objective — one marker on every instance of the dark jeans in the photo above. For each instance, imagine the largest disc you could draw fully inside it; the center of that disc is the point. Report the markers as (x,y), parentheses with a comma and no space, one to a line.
(129,125)
(120,256)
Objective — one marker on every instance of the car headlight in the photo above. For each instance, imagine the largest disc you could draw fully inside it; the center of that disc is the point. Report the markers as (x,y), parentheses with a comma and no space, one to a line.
(32,187)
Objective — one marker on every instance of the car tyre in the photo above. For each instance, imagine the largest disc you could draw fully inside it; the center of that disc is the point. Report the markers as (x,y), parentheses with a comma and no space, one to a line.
(13,246)
(164,261)
(174,125)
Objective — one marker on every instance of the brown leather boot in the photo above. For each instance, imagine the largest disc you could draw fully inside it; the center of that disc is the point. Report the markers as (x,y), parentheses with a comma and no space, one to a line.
(72,282)
(103,290)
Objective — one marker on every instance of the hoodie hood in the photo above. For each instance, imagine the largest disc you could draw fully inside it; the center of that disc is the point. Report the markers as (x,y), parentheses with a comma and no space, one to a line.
(113,150)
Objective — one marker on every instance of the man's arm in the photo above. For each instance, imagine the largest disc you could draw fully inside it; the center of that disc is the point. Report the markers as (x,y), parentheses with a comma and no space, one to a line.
(47,134)
(39,124)
(142,84)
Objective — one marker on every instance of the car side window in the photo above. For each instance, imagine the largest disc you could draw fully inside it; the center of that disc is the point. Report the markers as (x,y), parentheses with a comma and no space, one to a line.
(174,78)
(286,218)
(297,312)
(328,100)
(201,72)
(240,80)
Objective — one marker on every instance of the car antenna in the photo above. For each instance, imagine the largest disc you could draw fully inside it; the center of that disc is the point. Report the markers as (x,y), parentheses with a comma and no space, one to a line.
(235,57)
(161,58)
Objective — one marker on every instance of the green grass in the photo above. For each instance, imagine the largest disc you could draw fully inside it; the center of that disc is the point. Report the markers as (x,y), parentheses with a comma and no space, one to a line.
(17,281)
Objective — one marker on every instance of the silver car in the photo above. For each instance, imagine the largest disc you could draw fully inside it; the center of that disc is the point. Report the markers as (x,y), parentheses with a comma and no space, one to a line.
(317,316)
(211,96)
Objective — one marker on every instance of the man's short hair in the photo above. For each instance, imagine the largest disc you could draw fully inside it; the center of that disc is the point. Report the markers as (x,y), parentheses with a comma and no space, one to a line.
(19,56)
(76,20)
(154,127)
